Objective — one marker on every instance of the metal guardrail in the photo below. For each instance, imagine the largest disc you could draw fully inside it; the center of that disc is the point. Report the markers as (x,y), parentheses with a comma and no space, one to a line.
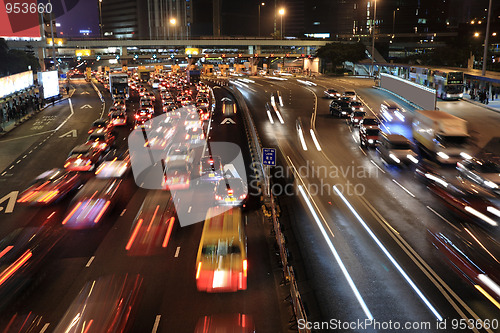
(255,145)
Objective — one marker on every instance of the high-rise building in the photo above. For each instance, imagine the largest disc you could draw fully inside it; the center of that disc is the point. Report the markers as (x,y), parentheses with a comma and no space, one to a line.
(146,19)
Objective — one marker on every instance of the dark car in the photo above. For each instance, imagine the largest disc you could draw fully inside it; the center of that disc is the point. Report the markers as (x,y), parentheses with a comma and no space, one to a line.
(211,168)
(486,173)
(340,108)
(83,158)
(99,123)
(368,136)
(231,192)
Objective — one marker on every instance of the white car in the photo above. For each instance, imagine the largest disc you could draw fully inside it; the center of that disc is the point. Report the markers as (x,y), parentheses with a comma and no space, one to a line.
(180,152)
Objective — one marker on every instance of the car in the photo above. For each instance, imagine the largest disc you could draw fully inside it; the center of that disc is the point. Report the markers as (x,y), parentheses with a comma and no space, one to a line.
(94,199)
(180,152)
(211,168)
(392,112)
(114,109)
(50,186)
(142,121)
(118,118)
(193,120)
(101,139)
(357,106)
(150,96)
(484,172)
(356,117)
(396,149)
(142,91)
(177,175)
(331,93)
(115,164)
(368,136)
(195,135)
(230,191)
(120,104)
(160,137)
(202,102)
(368,121)
(83,158)
(147,104)
(99,123)
(350,94)
(24,254)
(340,108)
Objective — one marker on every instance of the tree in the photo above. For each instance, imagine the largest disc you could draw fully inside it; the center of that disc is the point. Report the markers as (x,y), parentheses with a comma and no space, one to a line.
(16,61)
(337,53)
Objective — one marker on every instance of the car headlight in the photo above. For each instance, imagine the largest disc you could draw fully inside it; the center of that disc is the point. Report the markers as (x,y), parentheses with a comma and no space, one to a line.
(490,184)
(356,120)
(443,155)
(370,141)
(395,159)
(412,158)
(466,156)
(352,108)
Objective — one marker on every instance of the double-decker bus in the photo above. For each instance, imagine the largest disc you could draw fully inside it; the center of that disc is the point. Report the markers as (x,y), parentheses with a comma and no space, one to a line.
(221,264)
(449,85)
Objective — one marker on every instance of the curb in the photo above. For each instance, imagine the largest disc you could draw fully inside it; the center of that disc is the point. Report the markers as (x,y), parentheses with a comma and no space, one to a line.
(481,105)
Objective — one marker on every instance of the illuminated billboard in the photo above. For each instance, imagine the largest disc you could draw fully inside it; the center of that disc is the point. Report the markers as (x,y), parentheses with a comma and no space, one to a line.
(50,83)
(13,83)
(20,19)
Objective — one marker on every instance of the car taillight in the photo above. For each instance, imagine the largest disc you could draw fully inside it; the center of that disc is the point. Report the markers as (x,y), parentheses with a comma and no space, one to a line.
(245,267)
(198,270)
(243,196)
(218,197)
(230,192)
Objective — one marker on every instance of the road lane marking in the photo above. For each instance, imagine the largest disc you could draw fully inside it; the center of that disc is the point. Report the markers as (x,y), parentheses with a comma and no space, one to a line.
(90,261)
(316,143)
(177,251)
(373,162)
(26,136)
(404,188)
(11,167)
(18,161)
(123,212)
(44,328)
(388,255)
(25,156)
(189,209)
(156,324)
(70,115)
(362,150)
(443,218)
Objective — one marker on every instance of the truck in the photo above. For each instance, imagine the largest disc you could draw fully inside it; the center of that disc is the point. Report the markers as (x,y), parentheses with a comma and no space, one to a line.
(441,135)
(118,84)
(193,76)
(144,75)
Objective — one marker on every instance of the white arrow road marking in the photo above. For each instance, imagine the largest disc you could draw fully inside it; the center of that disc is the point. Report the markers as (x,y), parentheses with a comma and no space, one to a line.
(70,134)
(86,106)
(228,120)
(11,197)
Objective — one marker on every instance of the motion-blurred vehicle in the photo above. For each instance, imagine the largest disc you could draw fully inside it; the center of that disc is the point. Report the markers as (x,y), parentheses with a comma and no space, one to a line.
(83,158)
(177,175)
(195,135)
(211,168)
(153,225)
(99,123)
(23,256)
(180,152)
(331,93)
(230,191)
(368,136)
(473,263)
(368,121)
(234,323)
(391,112)
(441,135)
(115,164)
(114,109)
(90,204)
(486,173)
(396,149)
(221,263)
(101,139)
(118,118)
(51,186)
(356,117)
(107,304)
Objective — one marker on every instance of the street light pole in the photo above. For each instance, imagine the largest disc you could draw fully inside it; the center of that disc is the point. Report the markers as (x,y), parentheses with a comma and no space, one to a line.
(486,40)
(100,17)
(261,4)
(281,12)
(394,20)
(373,37)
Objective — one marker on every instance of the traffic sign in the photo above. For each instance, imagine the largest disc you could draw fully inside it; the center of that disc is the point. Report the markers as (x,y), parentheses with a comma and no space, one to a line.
(268,156)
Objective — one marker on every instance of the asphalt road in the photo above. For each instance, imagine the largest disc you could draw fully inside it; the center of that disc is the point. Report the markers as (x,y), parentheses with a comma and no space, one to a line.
(169,300)
(379,227)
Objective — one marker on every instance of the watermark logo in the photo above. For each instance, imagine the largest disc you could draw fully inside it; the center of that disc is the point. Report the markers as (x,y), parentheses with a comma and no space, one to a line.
(166,153)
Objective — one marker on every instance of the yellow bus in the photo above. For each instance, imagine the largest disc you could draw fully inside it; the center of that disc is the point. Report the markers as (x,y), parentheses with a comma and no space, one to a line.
(221,264)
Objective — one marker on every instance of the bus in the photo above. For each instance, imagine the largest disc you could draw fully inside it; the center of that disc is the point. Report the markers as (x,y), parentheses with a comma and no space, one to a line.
(449,85)
(221,263)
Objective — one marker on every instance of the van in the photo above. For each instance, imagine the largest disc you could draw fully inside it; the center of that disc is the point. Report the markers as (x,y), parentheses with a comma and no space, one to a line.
(396,149)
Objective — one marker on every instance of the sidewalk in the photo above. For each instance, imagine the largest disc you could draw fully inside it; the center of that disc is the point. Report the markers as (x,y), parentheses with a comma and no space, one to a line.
(492,105)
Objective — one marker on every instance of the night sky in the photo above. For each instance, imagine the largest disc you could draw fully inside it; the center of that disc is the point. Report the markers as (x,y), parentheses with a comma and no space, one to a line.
(76,15)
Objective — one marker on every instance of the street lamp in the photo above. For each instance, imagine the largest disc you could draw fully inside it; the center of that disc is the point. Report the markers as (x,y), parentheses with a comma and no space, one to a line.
(173,22)
(261,5)
(373,37)
(100,17)
(394,20)
(486,40)
(281,12)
